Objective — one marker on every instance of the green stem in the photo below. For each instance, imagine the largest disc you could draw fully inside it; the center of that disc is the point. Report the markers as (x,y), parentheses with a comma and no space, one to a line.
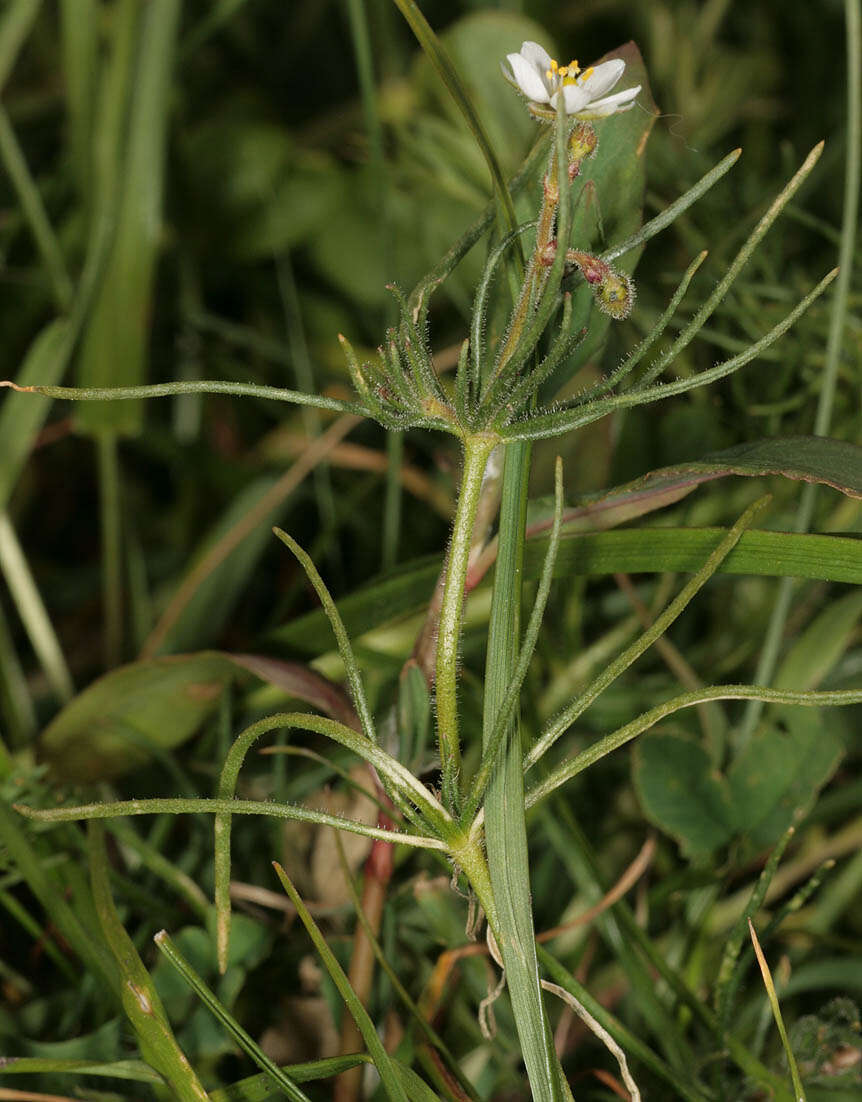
(477,449)
(544,233)
(470,858)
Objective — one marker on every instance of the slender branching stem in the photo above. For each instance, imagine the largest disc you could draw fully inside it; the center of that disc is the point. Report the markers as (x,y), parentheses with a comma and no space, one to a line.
(544,234)
(477,449)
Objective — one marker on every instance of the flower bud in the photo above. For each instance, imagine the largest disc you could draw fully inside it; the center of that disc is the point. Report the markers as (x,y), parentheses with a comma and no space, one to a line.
(613,291)
(582,144)
(548,253)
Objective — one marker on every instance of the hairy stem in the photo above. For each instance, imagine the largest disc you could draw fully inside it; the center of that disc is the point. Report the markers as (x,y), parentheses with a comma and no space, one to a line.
(477,449)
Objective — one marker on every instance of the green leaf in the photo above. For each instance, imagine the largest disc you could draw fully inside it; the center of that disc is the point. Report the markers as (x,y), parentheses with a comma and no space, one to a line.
(773,780)
(682,793)
(652,550)
(439,58)
(15,24)
(218,573)
(112,725)
(137,992)
(227,1020)
(834,463)
(22,415)
(258,1088)
(135,1070)
(115,344)
(642,550)
(781,770)
(821,645)
(382,1061)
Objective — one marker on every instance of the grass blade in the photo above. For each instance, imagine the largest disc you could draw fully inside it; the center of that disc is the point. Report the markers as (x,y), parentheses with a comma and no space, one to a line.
(531,635)
(726,981)
(15,25)
(608,743)
(208,997)
(658,627)
(137,992)
(798,1089)
(21,417)
(385,1067)
(32,611)
(115,344)
(16,167)
(447,72)
(505,825)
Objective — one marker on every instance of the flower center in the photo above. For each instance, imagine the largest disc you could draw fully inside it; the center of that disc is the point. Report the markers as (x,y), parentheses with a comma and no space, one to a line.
(568,74)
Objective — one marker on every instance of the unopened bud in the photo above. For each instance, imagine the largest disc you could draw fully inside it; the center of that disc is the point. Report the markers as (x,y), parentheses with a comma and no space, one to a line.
(592,268)
(582,144)
(615,295)
(548,253)
(613,291)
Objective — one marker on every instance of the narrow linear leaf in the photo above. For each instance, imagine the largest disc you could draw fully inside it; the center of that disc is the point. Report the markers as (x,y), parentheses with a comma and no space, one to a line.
(15,25)
(441,61)
(50,892)
(134,1070)
(724,984)
(609,743)
(344,648)
(409,792)
(114,347)
(385,1067)
(22,416)
(137,992)
(194,386)
(798,1089)
(176,806)
(208,997)
(507,710)
(636,551)
(15,164)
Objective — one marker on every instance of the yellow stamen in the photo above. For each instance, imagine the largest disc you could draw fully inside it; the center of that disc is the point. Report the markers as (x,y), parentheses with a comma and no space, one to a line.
(587,74)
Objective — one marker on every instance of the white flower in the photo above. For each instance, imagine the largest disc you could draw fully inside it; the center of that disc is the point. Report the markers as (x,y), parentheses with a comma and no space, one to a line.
(541,79)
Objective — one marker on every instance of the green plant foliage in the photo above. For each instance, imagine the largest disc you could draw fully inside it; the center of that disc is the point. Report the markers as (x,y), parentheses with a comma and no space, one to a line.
(113,726)
(772,783)
(563,790)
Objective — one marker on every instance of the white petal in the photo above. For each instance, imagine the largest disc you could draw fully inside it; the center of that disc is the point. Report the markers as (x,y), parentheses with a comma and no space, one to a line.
(537,55)
(575,97)
(604,77)
(527,78)
(619,101)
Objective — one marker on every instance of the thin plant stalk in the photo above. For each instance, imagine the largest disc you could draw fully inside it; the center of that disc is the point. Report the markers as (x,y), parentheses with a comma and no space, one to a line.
(477,450)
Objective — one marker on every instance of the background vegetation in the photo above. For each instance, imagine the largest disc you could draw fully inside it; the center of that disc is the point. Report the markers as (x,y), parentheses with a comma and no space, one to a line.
(215,191)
